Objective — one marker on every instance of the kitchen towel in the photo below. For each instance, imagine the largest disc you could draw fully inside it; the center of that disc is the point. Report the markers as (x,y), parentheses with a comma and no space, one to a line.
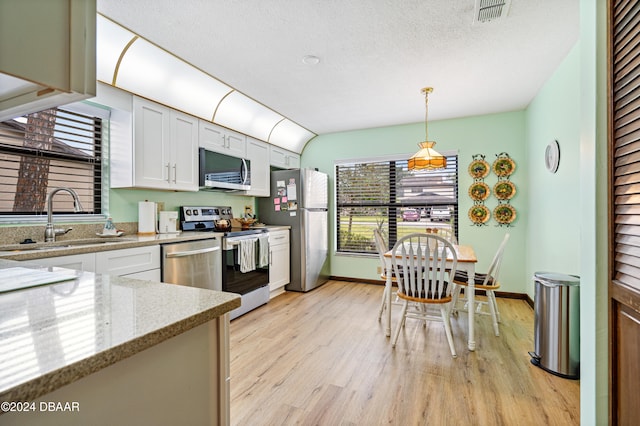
(247,255)
(263,254)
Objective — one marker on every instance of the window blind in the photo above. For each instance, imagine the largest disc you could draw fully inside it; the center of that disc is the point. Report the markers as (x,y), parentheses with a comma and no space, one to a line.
(384,194)
(46,150)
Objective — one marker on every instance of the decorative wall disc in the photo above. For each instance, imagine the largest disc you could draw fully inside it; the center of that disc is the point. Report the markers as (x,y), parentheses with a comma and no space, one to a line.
(504,166)
(479,214)
(504,190)
(504,214)
(479,169)
(479,191)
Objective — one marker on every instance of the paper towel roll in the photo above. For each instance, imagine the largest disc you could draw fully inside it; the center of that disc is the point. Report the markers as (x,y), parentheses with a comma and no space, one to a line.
(146,217)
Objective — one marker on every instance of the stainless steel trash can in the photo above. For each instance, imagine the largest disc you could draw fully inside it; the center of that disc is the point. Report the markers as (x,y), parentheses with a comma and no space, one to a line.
(557,324)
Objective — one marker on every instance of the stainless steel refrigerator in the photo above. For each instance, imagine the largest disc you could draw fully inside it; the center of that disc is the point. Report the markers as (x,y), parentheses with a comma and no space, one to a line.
(299,199)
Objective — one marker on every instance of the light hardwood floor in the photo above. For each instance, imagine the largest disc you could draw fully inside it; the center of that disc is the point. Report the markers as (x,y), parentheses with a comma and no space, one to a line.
(321,358)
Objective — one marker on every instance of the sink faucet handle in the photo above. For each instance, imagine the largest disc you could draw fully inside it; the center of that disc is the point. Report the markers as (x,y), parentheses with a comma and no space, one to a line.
(61,231)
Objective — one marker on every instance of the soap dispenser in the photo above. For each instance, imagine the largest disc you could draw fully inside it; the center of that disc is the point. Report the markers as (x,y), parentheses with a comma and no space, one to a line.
(109,227)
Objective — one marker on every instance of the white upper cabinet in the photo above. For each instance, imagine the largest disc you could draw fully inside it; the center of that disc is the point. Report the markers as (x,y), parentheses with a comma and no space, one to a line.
(219,139)
(258,155)
(283,159)
(47,54)
(165,147)
(184,152)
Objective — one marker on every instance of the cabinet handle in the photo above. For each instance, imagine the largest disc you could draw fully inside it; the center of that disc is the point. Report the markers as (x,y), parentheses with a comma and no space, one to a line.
(175,172)
(270,252)
(168,172)
(192,252)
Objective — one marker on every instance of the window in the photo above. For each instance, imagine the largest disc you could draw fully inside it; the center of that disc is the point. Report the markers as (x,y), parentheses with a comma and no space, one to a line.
(384,194)
(46,150)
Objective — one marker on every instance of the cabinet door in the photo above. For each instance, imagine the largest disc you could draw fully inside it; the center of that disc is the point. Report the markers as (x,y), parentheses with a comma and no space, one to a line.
(184,152)
(79,262)
(236,144)
(219,139)
(279,266)
(212,137)
(258,154)
(283,159)
(293,161)
(152,137)
(128,261)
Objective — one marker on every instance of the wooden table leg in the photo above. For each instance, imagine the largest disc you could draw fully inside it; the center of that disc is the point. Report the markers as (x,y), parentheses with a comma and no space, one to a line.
(389,290)
(472,308)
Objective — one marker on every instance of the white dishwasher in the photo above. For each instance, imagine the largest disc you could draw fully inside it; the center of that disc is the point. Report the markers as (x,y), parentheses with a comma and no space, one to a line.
(193,263)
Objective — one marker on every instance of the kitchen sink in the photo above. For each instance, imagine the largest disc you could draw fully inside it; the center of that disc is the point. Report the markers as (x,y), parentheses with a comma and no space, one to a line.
(61,244)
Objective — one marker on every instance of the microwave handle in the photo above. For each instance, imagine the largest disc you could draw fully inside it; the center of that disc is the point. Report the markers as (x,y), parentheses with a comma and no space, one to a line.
(243,172)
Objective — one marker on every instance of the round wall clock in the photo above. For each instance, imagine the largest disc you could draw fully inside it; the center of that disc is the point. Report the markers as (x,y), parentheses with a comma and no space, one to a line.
(552,156)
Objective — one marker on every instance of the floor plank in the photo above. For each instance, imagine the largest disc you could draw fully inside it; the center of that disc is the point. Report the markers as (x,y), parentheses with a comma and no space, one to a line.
(321,358)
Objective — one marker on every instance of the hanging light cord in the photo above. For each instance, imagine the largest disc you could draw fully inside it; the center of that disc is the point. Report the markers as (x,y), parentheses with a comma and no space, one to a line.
(426,92)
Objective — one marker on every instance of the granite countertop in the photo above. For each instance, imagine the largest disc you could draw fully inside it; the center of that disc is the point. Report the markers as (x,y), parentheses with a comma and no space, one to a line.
(68,245)
(65,246)
(55,334)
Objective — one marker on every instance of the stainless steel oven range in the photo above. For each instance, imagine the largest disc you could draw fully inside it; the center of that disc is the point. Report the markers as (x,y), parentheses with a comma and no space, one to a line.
(245,254)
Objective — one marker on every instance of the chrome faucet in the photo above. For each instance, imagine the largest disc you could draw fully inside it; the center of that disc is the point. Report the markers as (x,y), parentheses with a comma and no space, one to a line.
(49,231)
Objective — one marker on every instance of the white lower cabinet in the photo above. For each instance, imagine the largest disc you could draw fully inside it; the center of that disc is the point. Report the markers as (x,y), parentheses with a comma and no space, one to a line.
(279,261)
(182,380)
(79,262)
(137,262)
(141,261)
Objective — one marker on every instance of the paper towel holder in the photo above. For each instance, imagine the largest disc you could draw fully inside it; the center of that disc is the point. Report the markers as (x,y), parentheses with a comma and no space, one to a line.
(147,218)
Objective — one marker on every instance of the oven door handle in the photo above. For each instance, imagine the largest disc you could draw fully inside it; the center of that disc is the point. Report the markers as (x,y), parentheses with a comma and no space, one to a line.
(192,252)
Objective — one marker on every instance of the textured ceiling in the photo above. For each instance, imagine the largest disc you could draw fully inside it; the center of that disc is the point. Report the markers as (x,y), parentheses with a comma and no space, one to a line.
(375,55)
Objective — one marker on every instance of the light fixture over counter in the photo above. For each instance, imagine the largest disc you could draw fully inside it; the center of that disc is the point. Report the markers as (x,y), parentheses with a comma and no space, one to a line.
(427,157)
(129,62)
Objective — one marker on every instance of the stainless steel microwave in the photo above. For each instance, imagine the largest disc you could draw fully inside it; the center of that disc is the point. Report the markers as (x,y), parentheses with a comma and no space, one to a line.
(221,171)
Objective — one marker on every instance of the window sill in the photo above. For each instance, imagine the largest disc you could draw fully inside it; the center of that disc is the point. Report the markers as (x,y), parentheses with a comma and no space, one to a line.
(42,219)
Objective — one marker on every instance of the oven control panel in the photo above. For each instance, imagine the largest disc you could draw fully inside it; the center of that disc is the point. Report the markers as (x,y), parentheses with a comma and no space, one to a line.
(200,214)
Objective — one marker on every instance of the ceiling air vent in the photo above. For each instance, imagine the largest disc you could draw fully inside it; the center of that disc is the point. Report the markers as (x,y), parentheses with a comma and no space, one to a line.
(491,10)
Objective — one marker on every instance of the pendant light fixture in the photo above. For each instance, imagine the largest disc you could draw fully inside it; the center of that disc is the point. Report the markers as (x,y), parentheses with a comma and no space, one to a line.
(427,157)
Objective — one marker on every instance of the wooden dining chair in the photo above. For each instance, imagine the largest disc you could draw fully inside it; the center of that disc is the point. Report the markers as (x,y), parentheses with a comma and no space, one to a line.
(446,233)
(487,282)
(382,248)
(423,274)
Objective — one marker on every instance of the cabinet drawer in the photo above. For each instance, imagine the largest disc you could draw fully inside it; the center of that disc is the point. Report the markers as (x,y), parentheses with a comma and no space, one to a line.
(128,261)
(278,237)
(79,262)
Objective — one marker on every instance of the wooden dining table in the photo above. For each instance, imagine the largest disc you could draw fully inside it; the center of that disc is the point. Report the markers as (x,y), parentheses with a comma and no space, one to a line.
(466,262)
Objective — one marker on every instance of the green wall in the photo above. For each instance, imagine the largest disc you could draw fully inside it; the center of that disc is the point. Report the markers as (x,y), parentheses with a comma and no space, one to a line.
(123,203)
(554,199)
(562,218)
(488,135)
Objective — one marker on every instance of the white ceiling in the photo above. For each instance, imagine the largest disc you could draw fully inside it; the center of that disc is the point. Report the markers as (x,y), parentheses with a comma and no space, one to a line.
(375,55)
